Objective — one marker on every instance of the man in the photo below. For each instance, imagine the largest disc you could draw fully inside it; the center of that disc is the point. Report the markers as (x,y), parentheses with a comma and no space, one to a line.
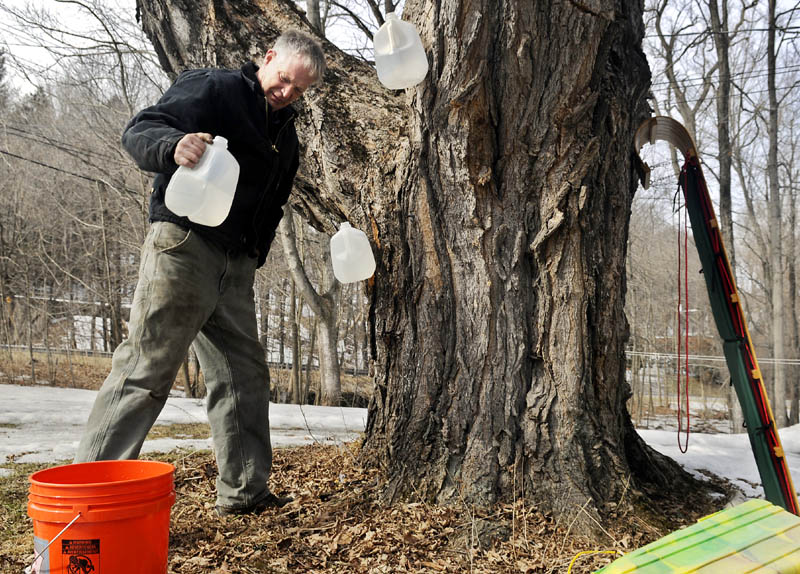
(196,282)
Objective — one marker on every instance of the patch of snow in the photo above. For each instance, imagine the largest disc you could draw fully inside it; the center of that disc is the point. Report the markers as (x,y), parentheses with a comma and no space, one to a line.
(39,424)
(44,424)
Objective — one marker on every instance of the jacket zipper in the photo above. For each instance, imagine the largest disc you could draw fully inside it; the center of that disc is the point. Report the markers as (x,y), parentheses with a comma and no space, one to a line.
(273,176)
(280,130)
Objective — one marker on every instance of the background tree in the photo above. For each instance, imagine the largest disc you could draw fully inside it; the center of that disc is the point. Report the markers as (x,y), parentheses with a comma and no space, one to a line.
(5,98)
(325,307)
(88,247)
(788,162)
(723,37)
(738,79)
(85,200)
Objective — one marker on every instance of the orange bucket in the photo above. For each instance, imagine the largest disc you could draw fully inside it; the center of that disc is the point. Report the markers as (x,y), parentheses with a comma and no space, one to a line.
(107,517)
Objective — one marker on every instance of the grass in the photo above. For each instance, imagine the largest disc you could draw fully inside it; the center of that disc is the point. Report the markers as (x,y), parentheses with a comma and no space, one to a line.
(76,370)
(16,532)
(89,372)
(180,430)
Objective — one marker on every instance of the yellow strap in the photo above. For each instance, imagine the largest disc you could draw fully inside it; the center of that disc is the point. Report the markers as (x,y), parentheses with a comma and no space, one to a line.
(585,552)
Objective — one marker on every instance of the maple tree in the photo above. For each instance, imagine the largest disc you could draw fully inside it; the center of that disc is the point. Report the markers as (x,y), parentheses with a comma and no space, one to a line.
(497,195)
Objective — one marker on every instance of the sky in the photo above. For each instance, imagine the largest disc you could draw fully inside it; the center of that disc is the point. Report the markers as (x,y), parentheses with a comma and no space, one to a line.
(18,40)
(44,424)
(20,43)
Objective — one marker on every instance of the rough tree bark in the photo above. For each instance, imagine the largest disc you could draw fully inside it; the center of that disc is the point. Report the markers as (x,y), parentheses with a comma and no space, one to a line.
(497,196)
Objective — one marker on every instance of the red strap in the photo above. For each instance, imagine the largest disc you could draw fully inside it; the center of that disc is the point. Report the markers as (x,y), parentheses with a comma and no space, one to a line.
(683,228)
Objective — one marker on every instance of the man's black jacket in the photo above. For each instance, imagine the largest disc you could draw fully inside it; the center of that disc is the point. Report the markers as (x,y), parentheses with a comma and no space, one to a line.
(229,103)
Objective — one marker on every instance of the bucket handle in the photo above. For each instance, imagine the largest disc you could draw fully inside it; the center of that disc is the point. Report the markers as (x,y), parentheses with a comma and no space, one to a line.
(29,569)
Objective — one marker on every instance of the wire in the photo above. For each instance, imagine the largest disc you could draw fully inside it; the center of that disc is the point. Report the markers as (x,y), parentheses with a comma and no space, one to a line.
(712,98)
(699,80)
(69,148)
(710,358)
(86,177)
(722,32)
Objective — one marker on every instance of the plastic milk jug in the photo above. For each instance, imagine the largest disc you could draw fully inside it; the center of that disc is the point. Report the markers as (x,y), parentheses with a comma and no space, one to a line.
(399,56)
(205,192)
(351,255)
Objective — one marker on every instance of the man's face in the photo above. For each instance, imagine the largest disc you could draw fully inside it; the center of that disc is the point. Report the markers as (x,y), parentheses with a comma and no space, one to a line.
(283,78)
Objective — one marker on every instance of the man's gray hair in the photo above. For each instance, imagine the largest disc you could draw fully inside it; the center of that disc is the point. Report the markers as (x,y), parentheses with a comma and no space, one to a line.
(305,46)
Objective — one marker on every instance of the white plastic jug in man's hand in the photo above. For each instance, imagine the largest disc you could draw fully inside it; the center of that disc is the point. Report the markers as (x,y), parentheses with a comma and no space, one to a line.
(205,192)
(399,56)
(351,255)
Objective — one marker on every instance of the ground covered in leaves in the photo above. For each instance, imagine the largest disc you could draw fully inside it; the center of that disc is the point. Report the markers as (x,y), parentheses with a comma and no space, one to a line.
(337,523)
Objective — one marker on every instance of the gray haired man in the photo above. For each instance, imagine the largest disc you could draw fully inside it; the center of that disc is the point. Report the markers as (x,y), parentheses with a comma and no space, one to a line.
(196,282)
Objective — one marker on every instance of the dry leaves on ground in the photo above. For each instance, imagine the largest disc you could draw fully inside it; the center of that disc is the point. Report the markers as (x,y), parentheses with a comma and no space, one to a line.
(339,524)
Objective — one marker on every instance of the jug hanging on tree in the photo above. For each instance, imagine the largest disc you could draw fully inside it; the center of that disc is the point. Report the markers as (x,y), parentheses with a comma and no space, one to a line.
(399,56)
(351,255)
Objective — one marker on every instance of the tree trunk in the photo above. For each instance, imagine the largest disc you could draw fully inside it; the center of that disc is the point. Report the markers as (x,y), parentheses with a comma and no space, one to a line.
(93,328)
(791,278)
(346,318)
(775,247)
(29,320)
(188,387)
(113,306)
(314,16)
(284,295)
(505,337)
(330,373)
(310,361)
(719,29)
(294,374)
(497,196)
(794,334)
(106,332)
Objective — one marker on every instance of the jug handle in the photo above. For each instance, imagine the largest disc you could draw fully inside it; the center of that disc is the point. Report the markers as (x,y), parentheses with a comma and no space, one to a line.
(391,38)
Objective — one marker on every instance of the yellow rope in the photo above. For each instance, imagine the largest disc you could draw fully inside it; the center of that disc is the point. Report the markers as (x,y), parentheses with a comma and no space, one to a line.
(579,554)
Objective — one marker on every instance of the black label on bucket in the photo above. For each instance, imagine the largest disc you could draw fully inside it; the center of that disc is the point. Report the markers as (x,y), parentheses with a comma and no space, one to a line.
(81,556)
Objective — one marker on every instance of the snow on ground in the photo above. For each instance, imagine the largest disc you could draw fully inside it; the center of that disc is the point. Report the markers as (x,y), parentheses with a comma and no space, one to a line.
(726,455)
(44,424)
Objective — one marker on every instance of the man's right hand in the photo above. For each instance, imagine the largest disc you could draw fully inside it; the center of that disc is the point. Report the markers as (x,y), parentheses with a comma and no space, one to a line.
(191,148)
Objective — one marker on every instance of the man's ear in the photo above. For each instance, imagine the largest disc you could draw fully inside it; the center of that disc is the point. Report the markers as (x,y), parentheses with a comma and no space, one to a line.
(269,56)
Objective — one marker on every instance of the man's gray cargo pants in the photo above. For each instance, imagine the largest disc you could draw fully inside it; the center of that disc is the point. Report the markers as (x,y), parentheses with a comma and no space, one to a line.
(190,290)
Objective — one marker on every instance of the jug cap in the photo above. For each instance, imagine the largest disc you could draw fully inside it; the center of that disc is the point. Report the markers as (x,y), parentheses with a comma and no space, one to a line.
(221,140)
(345,225)
(392,16)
